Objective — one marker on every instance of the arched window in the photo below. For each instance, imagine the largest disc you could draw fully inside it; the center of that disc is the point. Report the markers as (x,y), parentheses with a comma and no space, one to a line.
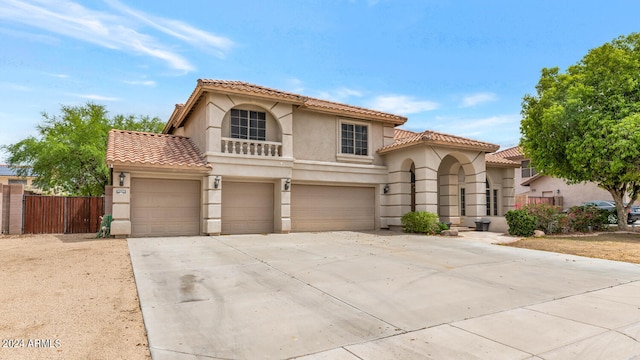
(248,124)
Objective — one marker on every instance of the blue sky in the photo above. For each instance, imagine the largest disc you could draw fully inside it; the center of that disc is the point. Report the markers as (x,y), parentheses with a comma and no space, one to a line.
(459,67)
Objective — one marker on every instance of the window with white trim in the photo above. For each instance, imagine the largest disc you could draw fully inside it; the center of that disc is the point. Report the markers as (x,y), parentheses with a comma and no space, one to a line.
(527,169)
(248,124)
(354,139)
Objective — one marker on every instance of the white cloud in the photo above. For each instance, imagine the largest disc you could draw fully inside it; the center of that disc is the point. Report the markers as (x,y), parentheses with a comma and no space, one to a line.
(294,85)
(478,98)
(15,87)
(180,30)
(498,129)
(141,82)
(118,31)
(340,95)
(60,76)
(401,104)
(97,97)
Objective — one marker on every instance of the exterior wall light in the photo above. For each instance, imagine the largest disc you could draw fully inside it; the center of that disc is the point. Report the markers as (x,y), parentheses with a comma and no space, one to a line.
(386,188)
(287,184)
(216,182)
(122,179)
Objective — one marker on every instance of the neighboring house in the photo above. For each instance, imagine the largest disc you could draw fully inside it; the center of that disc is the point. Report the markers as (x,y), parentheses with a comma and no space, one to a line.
(9,176)
(241,158)
(532,187)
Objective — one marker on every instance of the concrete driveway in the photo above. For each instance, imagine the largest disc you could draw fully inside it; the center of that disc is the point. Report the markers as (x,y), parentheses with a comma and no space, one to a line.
(348,295)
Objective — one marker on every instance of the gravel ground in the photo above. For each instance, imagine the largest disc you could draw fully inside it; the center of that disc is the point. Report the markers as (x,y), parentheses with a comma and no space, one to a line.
(69,297)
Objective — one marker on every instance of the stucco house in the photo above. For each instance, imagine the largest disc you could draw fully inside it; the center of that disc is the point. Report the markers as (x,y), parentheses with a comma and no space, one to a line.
(242,158)
(9,176)
(533,187)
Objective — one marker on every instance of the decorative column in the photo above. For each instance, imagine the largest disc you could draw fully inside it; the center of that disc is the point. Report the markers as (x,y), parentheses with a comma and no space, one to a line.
(426,189)
(213,205)
(121,224)
(285,206)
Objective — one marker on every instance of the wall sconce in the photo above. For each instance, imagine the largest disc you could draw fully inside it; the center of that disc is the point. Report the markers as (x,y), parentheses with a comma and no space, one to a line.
(558,191)
(122,179)
(386,188)
(287,184)
(216,182)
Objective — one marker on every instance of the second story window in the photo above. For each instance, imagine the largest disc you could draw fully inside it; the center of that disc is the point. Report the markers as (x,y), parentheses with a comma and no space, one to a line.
(354,139)
(527,169)
(250,125)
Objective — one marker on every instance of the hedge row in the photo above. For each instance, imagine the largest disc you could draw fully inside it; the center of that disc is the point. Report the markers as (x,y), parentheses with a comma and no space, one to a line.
(552,220)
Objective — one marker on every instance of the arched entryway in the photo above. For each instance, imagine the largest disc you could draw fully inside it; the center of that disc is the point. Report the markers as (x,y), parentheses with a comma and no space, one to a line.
(457,181)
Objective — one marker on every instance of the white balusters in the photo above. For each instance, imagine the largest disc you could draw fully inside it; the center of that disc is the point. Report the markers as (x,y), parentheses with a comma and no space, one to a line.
(251,147)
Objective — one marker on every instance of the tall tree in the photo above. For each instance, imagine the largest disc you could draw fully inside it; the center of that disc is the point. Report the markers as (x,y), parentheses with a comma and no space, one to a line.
(69,153)
(584,124)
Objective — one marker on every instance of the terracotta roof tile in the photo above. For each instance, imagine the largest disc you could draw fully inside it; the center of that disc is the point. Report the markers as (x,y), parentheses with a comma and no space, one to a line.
(510,153)
(492,159)
(140,148)
(405,138)
(247,89)
(318,104)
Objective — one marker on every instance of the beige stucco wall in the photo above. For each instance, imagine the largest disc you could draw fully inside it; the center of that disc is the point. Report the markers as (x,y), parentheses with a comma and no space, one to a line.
(502,179)
(572,195)
(195,127)
(308,145)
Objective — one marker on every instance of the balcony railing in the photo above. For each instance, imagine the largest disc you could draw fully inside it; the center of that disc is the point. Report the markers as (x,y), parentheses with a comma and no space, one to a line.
(251,147)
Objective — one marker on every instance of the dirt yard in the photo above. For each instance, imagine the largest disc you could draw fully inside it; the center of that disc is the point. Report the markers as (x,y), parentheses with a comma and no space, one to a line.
(69,297)
(617,246)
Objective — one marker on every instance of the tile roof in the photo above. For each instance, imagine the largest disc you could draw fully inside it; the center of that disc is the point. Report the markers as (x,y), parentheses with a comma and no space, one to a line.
(155,150)
(405,138)
(182,111)
(510,153)
(492,159)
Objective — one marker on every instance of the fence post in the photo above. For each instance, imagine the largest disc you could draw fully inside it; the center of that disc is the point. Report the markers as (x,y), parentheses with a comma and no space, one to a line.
(15,208)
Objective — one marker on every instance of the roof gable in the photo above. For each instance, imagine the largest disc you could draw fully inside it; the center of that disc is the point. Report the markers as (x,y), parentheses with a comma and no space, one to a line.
(511,153)
(155,150)
(182,111)
(406,138)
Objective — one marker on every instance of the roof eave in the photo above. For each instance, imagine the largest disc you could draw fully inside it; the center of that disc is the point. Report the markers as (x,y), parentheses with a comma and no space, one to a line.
(186,110)
(394,120)
(487,149)
(137,166)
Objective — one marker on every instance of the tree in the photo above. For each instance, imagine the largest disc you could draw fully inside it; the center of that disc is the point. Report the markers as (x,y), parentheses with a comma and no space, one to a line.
(584,125)
(69,153)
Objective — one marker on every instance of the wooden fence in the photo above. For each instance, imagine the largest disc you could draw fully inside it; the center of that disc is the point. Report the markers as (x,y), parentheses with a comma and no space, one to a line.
(61,214)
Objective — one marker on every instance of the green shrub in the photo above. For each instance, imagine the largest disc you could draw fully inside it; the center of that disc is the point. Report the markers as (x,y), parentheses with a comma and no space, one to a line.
(421,222)
(560,224)
(588,218)
(520,222)
(442,227)
(546,216)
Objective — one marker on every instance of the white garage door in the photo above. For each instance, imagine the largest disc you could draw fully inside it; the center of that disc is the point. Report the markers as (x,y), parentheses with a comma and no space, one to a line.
(165,207)
(326,208)
(247,208)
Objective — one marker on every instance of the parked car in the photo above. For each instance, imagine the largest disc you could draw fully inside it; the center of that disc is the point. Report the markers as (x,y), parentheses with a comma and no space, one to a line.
(632,216)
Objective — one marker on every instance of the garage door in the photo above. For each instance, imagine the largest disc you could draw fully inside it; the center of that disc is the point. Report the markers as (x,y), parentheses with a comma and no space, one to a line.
(247,208)
(325,208)
(165,207)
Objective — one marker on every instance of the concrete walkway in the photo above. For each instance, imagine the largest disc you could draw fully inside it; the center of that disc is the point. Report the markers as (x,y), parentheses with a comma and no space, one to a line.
(347,295)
